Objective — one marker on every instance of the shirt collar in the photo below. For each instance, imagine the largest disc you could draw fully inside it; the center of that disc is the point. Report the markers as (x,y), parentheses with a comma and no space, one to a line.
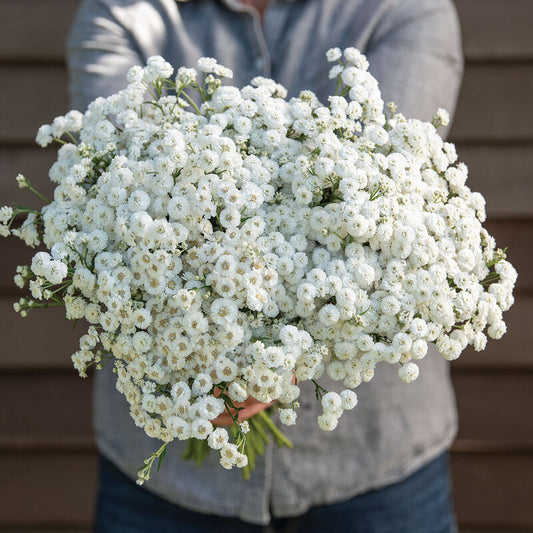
(234,3)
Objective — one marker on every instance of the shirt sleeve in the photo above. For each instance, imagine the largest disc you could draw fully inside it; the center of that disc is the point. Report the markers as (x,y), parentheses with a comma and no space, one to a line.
(416,56)
(100,50)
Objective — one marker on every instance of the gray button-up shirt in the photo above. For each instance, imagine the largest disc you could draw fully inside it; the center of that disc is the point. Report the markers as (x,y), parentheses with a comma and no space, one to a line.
(414,51)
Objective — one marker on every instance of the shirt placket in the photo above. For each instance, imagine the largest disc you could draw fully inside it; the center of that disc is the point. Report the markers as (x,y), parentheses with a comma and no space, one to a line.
(262,59)
(259,488)
(256,492)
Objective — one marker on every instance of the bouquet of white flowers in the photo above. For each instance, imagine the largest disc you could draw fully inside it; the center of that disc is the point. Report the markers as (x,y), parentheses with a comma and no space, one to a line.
(232,244)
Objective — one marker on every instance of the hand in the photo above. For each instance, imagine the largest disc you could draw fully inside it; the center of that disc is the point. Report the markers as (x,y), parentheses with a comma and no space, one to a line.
(251,407)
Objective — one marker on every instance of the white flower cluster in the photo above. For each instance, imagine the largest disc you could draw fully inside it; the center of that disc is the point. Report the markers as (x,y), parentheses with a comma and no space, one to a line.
(251,243)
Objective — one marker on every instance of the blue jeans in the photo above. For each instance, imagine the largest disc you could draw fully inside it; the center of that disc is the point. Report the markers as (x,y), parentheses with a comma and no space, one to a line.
(419,504)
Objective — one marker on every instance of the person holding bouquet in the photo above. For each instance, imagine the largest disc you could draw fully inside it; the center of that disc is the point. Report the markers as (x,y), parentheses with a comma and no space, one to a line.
(385,468)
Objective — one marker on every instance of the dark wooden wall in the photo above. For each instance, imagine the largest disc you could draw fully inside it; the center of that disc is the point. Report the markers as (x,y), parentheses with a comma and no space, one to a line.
(47,455)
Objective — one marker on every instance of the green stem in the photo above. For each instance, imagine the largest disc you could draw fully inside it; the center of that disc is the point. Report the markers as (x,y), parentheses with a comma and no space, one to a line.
(258,428)
(21,209)
(149,89)
(143,473)
(43,305)
(279,437)
(74,140)
(28,185)
(192,102)
(319,390)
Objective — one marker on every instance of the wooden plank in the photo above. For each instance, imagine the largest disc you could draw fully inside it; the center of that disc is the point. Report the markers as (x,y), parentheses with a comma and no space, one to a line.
(32,162)
(39,41)
(496,29)
(492,530)
(43,340)
(41,350)
(501,173)
(494,104)
(493,490)
(479,478)
(45,351)
(30,97)
(54,412)
(495,408)
(481,20)
(514,234)
(486,492)
(509,352)
(83,530)
(88,531)
(13,253)
(53,490)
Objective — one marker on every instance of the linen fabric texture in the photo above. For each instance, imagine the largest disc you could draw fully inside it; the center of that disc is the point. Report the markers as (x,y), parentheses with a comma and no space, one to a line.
(414,51)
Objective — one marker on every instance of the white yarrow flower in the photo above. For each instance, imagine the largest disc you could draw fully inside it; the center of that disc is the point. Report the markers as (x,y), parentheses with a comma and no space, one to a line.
(236,248)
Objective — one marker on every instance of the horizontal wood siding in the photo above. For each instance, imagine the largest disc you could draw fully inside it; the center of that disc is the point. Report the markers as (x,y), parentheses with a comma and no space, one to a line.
(48,458)
(495,114)
(500,172)
(491,30)
(496,30)
(514,234)
(493,104)
(487,494)
(52,490)
(53,340)
(44,31)
(493,490)
(54,410)
(30,96)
